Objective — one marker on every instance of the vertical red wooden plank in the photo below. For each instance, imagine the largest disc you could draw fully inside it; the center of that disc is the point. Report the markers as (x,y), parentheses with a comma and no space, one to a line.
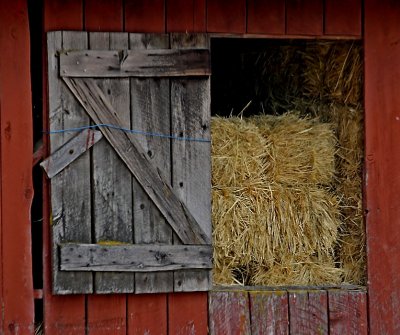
(147,314)
(106,315)
(304,17)
(200,16)
(226,16)
(104,15)
(62,314)
(266,17)
(187,313)
(308,312)
(347,313)
(180,15)
(145,16)
(269,312)
(342,17)
(63,15)
(17,309)
(382,164)
(229,312)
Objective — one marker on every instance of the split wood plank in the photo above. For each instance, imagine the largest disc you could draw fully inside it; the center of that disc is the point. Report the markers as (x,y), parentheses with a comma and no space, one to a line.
(269,312)
(135,63)
(134,258)
(348,313)
(191,161)
(229,312)
(308,312)
(150,112)
(111,187)
(70,196)
(266,17)
(70,151)
(174,210)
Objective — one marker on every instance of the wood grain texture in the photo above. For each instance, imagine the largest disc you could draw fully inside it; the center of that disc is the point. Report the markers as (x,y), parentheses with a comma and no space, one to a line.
(61,314)
(150,112)
(343,17)
(104,15)
(269,313)
(229,313)
(191,161)
(266,17)
(70,196)
(187,313)
(308,312)
(226,16)
(70,151)
(137,63)
(145,16)
(382,139)
(304,17)
(347,313)
(133,258)
(106,315)
(147,314)
(159,191)
(111,190)
(16,291)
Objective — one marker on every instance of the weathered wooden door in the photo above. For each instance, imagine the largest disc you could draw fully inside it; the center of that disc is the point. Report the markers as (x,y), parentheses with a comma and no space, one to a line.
(130,162)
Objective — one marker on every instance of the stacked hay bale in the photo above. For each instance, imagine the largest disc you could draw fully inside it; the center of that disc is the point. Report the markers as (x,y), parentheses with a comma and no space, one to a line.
(287,188)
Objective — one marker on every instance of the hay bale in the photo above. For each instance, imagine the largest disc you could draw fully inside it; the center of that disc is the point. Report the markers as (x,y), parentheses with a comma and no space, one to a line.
(260,216)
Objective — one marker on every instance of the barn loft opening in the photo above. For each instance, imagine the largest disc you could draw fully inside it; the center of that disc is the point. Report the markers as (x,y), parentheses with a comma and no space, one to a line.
(287,148)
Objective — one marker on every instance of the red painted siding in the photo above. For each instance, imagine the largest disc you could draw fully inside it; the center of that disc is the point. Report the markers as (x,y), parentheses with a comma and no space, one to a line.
(342,17)
(266,17)
(192,17)
(382,124)
(304,17)
(145,16)
(226,16)
(16,169)
(104,15)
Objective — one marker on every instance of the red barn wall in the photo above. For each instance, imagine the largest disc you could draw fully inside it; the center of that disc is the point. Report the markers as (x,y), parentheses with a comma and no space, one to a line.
(185,312)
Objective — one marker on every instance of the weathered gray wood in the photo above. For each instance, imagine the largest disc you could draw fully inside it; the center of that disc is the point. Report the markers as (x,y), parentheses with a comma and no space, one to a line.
(190,106)
(163,196)
(150,108)
(111,189)
(70,196)
(135,63)
(70,151)
(134,258)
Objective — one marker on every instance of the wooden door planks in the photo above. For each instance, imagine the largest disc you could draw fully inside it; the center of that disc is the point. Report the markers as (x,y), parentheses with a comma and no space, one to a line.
(191,161)
(111,188)
(150,112)
(65,112)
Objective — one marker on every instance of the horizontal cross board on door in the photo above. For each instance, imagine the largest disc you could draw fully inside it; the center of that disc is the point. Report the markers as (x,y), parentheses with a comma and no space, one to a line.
(92,218)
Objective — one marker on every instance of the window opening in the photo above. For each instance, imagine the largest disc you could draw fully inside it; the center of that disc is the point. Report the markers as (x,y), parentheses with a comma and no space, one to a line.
(287,149)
